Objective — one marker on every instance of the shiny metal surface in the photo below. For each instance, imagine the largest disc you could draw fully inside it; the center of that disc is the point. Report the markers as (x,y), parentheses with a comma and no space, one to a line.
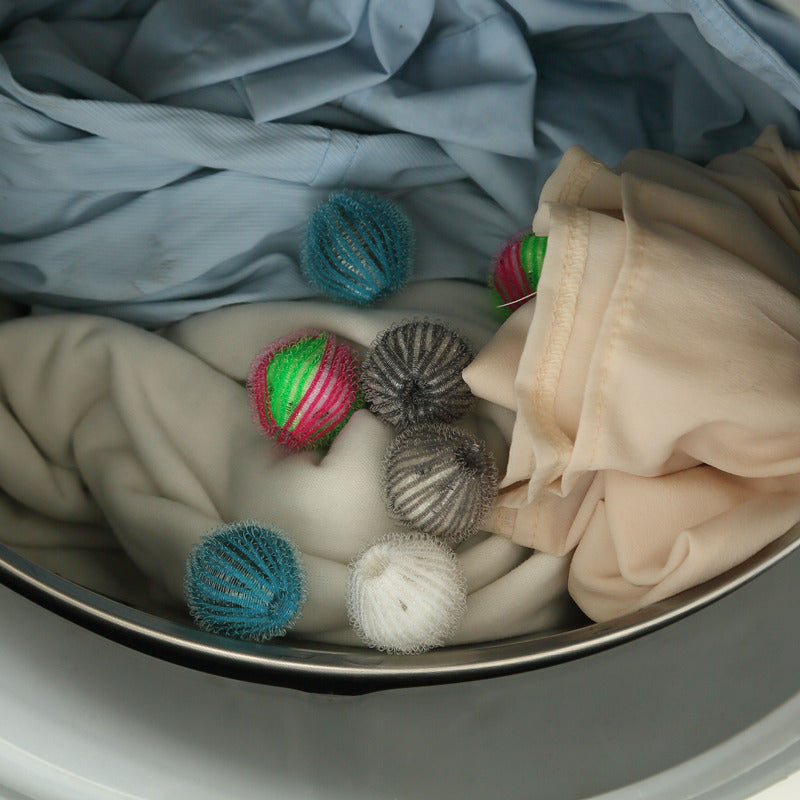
(348,670)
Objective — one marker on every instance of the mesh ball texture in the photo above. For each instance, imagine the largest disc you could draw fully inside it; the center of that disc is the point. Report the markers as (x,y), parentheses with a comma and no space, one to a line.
(406,594)
(412,374)
(516,270)
(358,247)
(246,581)
(439,479)
(303,388)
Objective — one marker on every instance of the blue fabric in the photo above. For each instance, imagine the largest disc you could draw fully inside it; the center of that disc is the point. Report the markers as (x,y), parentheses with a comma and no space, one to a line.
(161,157)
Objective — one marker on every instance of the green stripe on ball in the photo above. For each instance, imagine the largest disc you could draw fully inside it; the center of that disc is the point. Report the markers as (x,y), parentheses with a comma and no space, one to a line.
(289,376)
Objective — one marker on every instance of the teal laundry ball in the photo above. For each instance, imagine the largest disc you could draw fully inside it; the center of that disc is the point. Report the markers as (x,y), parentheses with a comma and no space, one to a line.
(246,580)
(358,247)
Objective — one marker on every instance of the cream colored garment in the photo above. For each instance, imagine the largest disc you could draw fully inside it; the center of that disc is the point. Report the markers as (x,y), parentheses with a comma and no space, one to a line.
(116,436)
(656,379)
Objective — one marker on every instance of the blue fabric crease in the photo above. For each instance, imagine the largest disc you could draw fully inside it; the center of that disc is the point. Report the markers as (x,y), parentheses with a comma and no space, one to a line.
(160,157)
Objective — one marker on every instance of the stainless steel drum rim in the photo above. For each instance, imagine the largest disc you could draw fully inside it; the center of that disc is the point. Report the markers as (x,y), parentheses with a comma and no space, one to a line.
(350,670)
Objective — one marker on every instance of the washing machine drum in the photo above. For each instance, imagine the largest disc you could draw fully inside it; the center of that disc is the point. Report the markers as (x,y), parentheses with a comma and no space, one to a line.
(161,163)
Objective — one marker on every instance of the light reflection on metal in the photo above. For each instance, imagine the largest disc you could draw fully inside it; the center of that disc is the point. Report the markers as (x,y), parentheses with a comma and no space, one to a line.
(351,670)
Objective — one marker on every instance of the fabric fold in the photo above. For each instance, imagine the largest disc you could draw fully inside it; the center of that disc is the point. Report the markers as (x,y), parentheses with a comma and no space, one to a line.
(657,390)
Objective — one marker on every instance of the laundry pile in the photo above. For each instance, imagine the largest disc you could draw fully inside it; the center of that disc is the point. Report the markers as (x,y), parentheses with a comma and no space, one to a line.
(655,381)
(160,161)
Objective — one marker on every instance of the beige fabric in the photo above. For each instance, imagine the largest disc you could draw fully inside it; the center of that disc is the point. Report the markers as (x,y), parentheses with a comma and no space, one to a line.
(113,436)
(656,379)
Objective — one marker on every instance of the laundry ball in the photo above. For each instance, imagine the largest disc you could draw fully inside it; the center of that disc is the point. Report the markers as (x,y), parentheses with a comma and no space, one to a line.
(412,373)
(516,270)
(439,479)
(358,247)
(303,388)
(406,593)
(246,580)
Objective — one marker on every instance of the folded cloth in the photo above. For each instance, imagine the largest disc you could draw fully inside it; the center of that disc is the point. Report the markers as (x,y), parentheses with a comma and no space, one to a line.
(118,437)
(656,379)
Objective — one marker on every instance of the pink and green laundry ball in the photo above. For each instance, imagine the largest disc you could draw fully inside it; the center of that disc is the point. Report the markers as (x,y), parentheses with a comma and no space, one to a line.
(516,270)
(358,247)
(303,388)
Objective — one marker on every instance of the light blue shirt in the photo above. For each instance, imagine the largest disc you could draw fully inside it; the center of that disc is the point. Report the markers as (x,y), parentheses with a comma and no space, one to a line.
(160,157)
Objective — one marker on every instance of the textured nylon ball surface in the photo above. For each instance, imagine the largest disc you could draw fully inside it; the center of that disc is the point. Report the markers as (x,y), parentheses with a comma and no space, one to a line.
(246,581)
(439,479)
(303,388)
(412,373)
(358,247)
(406,594)
(516,270)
